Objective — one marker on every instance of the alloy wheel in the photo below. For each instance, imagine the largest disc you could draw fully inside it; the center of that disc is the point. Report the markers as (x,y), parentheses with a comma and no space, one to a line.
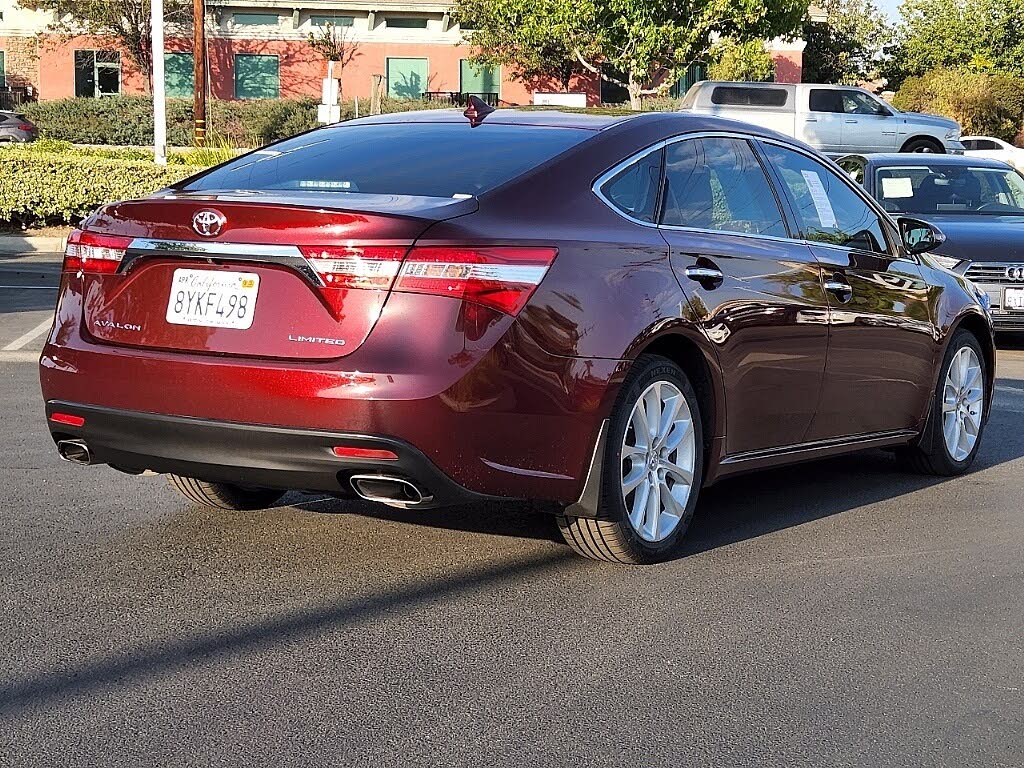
(658,452)
(963,403)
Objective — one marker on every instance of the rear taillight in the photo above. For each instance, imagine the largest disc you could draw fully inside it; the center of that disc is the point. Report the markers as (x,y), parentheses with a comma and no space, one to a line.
(94,253)
(499,277)
(355,266)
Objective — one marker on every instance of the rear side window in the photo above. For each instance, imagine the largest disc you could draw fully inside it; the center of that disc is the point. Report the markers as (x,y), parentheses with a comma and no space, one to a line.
(739,96)
(828,210)
(824,100)
(428,159)
(634,190)
(718,184)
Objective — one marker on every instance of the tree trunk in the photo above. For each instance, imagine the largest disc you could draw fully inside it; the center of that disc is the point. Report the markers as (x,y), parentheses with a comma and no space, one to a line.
(635,102)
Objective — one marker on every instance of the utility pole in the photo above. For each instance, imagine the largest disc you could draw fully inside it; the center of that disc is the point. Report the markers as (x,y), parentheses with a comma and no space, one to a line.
(199,58)
(159,102)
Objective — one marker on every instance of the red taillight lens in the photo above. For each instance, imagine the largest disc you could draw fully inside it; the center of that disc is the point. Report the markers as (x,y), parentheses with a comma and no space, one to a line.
(26,127)
(502,278)
(94,253)
(355,266)
(348,452)
(67,418)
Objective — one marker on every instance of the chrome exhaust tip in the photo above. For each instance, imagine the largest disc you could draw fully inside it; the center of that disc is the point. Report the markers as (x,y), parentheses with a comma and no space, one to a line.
(390,490)
(75,451)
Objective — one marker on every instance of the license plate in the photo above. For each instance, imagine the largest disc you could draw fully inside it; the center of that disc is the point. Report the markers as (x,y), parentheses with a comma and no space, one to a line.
(212,299)
(1013,298)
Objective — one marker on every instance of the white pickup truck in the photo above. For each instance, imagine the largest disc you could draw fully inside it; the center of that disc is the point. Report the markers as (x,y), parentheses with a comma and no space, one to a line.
(831,118)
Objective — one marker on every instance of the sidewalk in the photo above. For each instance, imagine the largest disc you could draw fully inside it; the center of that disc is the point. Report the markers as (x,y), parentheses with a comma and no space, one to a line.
(19,246)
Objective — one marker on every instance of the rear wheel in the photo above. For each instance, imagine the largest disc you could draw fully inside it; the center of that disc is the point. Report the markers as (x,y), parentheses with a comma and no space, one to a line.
(223,495)
(952,435)
(652,470)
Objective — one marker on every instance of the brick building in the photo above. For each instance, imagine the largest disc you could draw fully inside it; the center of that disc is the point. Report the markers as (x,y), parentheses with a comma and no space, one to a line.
(260,49)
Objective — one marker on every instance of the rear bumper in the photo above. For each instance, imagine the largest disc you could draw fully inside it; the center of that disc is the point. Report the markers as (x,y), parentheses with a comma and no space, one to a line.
(246,454)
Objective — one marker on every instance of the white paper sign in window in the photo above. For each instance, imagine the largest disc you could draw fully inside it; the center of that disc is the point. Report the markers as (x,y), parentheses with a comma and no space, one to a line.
(897,187)
(819,197)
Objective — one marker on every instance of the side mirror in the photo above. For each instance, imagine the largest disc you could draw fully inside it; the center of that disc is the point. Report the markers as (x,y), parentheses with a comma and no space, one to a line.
(920,236)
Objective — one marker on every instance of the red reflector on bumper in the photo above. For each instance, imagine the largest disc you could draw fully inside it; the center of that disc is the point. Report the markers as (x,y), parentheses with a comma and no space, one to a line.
(346,452)
(67,418)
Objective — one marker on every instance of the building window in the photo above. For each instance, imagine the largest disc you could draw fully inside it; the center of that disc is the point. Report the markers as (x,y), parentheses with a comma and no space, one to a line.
(256,19)
(338,21)
(405,22)
(3,67)
(179,75)
(97,73)
(407,78)
(257,77)
(479,80)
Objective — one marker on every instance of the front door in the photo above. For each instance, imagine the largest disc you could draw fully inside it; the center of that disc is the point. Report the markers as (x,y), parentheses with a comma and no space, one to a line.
(881,343)
(756,293)
(867,125)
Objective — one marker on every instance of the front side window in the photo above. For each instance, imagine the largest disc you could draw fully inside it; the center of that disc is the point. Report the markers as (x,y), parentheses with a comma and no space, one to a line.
(257,76)
(718,184)
(950,189)
(634,190)
(857,103)
(827,209)
(395,159)
(97,73)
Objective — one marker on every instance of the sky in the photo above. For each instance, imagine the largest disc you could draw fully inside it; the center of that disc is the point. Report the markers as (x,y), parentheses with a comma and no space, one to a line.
(889,7)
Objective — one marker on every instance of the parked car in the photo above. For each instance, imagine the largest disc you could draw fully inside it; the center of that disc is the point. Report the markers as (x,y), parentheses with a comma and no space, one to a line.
(979,206)
(605,313)
(831,118)
(16,127)
(993,149)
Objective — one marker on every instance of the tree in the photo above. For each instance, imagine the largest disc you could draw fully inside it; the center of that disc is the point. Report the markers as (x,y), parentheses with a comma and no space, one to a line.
(642,45)
(847,46)
(334,43)
(129,22)
(980,35)
(749,61)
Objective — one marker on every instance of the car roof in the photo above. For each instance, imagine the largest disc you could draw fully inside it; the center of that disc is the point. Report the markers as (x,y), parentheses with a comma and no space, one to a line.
(671,122)
(551,118)
(918,158)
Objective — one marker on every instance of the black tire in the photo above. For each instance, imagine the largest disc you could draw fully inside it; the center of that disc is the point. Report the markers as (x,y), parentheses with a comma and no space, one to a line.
(611,537)
(930,455)
(930,146)
(224,495)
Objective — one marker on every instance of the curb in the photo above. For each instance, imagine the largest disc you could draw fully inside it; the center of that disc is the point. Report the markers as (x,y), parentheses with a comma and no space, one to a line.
(20,245)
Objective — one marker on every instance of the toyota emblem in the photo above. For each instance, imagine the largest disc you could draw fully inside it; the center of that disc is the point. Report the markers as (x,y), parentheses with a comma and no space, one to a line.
(208,222)
(1015,273)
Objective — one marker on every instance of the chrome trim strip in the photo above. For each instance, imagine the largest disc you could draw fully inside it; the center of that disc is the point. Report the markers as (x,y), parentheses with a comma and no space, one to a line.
(820,445)
(284,255)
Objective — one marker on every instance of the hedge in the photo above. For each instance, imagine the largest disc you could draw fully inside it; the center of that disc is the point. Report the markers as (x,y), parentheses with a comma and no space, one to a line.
(42,187)
(128,120)
(984,103)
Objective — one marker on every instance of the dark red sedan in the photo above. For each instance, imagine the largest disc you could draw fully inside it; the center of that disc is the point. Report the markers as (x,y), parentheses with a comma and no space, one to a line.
(606,313)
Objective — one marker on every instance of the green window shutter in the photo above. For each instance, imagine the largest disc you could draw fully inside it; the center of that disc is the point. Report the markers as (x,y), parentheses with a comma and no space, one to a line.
(256,19)
(476,79)
(257,77)
(407,78)
(3,68)
(338,21)
(179,75)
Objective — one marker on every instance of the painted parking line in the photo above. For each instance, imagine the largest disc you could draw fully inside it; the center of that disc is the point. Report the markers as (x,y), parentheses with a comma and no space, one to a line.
(29,336)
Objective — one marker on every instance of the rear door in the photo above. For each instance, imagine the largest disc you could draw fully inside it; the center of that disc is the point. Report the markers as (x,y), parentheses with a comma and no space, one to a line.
(757,292)
(881,343)
(823,121)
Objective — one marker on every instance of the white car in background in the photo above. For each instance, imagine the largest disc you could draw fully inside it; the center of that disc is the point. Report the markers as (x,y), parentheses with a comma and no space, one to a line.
(995,149)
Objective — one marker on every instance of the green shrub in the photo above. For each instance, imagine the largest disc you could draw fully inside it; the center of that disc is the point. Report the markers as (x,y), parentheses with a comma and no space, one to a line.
(46,187)
(128,120)
(984,103)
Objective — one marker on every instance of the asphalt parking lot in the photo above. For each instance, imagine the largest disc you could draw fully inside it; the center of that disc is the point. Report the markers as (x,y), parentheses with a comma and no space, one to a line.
(833,614)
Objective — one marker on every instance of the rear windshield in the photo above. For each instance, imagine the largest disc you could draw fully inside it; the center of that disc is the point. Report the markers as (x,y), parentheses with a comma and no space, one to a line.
(748,97)
(429,159)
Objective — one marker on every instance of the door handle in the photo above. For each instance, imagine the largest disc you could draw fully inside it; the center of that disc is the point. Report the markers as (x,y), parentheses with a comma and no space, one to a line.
(852,121)
(810,119)
(707,274)
(839,288)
